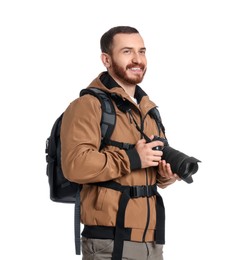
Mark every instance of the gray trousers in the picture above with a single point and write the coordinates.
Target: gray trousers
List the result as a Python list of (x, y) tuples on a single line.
[(101, 249)]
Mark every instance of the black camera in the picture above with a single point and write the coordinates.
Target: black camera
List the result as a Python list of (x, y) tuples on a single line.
[(181, 164)]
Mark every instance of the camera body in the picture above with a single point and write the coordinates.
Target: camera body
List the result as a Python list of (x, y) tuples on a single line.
[(163, 140), (181, 164)]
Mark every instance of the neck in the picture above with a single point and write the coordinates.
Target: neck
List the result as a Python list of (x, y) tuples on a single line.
[(129, 88)]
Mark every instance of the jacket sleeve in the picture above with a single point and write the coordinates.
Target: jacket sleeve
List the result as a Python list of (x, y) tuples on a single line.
[(82, 162), (135, 162)]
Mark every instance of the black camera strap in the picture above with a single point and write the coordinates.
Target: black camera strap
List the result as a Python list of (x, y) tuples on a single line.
[(154, 113), (148, 140), (124, 106)]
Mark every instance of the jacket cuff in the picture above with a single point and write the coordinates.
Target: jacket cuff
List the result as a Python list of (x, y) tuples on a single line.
[(134, 158)]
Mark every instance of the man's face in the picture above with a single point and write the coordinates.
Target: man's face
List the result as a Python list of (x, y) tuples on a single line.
[(128, 59)]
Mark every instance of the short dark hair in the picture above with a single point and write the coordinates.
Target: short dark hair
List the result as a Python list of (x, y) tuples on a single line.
[(107, 38)]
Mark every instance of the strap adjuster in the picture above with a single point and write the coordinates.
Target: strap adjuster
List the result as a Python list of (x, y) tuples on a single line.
[(143, 191), (127, 146), (138, 191)]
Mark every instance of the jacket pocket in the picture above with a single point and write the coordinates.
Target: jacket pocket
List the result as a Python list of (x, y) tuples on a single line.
[(100, 198)]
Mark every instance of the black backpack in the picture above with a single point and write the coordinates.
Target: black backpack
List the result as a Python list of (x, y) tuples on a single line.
[(61, 189)]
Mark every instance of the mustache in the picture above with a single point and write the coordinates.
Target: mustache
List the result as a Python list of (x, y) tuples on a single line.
[(140, 65)]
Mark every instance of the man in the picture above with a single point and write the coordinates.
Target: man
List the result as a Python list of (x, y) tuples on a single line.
[(121, 209)]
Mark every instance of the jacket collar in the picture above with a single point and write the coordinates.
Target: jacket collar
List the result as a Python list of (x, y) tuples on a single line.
[(110, 83)]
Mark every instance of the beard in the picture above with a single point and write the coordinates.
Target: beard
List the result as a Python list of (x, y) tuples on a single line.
[(121, 73)]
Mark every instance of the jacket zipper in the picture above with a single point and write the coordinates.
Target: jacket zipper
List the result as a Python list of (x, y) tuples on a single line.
[(148, 205), (146, 176), (147, 199), (148, 210)]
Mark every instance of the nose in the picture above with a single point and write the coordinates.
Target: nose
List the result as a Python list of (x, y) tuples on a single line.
[(136, 58)]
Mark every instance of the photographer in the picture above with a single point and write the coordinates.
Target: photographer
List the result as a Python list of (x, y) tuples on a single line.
[(121, 208)]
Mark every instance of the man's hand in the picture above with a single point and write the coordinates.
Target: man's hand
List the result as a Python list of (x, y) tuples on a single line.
[(148, 156), (166, 172)]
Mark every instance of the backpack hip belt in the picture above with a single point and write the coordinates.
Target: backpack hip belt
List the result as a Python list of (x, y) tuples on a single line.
[(119, 233)]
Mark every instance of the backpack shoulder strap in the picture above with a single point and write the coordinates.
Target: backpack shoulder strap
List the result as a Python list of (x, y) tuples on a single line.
[(108, 119)]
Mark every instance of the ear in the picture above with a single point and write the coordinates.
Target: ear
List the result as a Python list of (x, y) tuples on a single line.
[(106, 60)]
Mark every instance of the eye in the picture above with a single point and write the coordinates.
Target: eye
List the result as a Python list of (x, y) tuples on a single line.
[(126, 51)]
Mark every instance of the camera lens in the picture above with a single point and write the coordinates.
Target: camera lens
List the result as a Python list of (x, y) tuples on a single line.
[(181, 164)]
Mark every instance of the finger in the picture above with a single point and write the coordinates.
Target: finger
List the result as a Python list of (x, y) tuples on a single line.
[(164, 165), (160, 167), (163, 168), (168, 171), (156, 159), (157, 153), (141, 141), (155, 143), (153, 162), (177, 177)]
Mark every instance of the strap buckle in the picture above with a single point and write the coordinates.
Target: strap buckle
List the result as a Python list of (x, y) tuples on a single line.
[(139, 191), (143, 191)]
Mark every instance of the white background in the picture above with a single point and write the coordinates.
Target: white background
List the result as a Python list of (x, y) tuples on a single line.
[(50, 50)]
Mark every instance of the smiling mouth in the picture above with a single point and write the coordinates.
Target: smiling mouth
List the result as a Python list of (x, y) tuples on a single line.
[(136, 69)]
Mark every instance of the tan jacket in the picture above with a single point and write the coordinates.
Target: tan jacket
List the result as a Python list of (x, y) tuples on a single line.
[(82, 162)]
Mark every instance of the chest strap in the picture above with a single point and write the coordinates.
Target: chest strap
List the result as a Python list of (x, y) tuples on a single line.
[(133, 192), (121, 145)]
